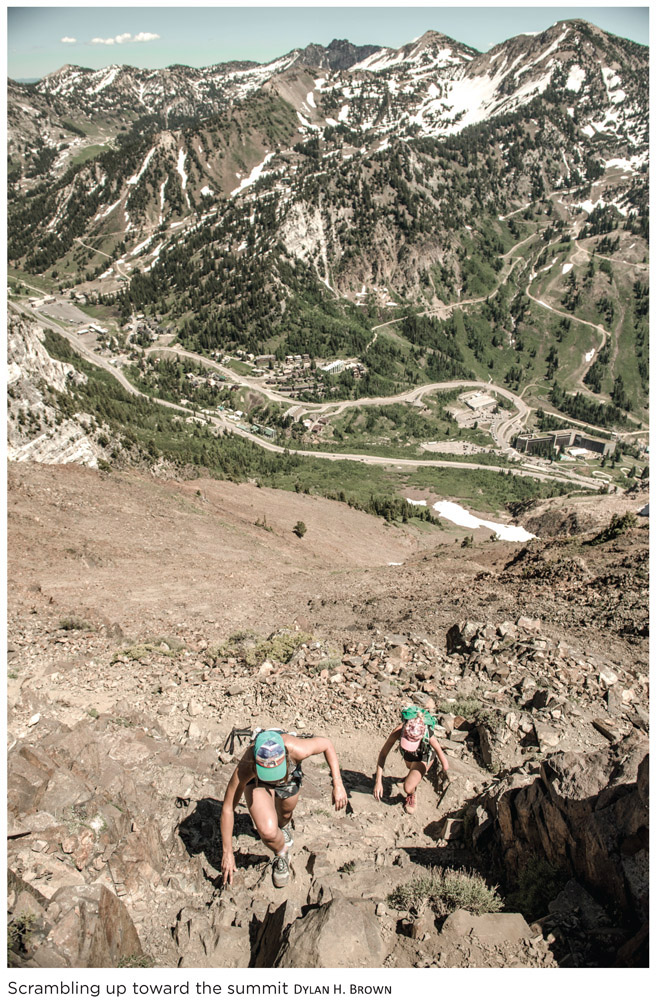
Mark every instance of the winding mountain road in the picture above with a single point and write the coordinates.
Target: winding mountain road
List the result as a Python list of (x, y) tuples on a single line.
[(391, 462), (505, 430)]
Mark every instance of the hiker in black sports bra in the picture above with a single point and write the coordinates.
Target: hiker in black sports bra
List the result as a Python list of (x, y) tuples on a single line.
[(282, 790), (419, 748), (269, 776)]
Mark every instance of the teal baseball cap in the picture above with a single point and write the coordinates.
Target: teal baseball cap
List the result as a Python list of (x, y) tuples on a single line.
[(270, 756)]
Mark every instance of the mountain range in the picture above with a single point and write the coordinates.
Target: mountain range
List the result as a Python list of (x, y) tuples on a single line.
[(285, 208)]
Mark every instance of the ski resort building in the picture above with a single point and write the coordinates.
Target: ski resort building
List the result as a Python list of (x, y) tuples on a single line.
[(547, 443)]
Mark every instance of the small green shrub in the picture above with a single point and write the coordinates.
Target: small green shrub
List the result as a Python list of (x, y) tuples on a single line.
[(467, 707), (347, 868), (492, 718), (300, 529), (538, 883), (328, 664), (135, 962), (20, 931), (279, 647), (617, 525), (446, 890), (158, 646), (73, 623)]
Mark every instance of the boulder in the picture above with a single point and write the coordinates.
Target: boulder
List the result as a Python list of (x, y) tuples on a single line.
[(460, 637), (341, 934), (489, 928), (93, 931)]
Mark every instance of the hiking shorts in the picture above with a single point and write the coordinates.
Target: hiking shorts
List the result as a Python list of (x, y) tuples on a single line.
[(283, 790), (411, 763)]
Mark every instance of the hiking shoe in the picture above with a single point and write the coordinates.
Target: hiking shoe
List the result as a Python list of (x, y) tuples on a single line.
[(410, 803), (281, 870), (289, 837)]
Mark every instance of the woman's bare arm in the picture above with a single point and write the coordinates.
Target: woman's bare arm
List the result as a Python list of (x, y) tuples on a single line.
[(244, 771), (381, 762), (300, 749), (435, 745)]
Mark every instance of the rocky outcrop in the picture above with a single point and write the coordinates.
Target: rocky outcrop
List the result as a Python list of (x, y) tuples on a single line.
[(587, 816), (35, 429), (342, 934), (92, 929)]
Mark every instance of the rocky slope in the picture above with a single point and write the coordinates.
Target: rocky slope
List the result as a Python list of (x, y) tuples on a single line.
[(36, 428), (129, 664)]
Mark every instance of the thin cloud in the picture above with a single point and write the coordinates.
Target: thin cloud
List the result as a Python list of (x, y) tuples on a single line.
[(68, 41), (142, 36)]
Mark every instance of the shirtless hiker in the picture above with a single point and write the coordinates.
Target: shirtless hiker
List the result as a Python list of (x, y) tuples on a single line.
[(269, 775), (419, 748)]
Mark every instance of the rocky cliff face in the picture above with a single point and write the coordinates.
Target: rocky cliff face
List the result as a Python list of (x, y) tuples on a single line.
[(36, 428), (588, 818)]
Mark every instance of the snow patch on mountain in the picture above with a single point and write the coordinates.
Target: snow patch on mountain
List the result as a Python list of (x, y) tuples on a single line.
[(253, 177), (180, 167), (576, 78), (135, 178), (140, 247), (107, 80)]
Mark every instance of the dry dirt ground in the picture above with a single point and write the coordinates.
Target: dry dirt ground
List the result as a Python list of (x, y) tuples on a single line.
[(156, 555)]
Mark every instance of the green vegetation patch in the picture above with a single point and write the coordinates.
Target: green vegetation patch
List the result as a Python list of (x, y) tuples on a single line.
[(252, 650), (539, 882), (73, 623), (446, 890), (20, 931), (486, 491), (88, 153), (616, 526)]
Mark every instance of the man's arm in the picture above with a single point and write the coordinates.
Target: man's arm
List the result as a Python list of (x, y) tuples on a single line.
[(381, 762), (234, 790), (435, 745), (302, 748)]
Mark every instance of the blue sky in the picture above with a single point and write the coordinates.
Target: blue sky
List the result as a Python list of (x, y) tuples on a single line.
[(41, 39)]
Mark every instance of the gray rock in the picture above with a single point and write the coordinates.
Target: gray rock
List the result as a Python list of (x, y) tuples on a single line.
[(341, 934), (529, 623)]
